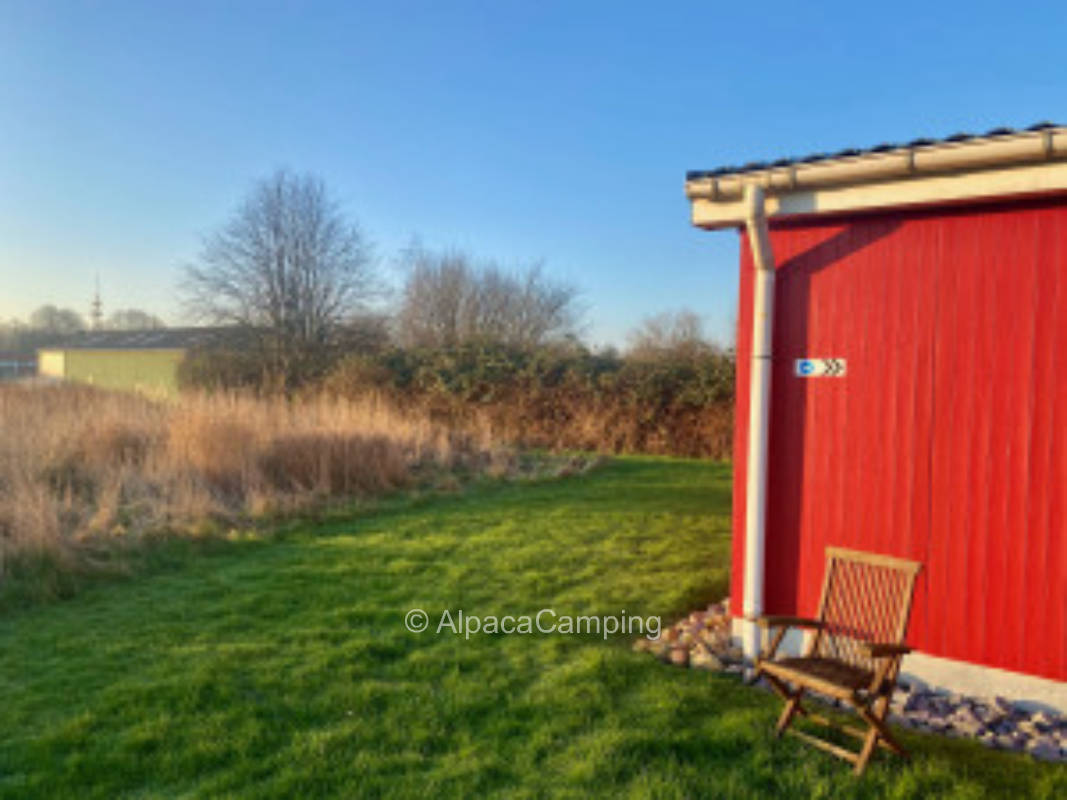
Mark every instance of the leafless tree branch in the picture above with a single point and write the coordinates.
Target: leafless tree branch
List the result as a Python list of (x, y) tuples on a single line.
[(448, 300), (286, 262)]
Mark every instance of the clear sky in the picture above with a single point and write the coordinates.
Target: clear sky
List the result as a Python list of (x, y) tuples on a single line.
[(516, 130)]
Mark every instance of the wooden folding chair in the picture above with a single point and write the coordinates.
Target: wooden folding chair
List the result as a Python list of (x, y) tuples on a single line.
[(855, 652)]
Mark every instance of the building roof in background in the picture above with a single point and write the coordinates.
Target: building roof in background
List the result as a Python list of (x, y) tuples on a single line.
[(149, 339), (16, 355)]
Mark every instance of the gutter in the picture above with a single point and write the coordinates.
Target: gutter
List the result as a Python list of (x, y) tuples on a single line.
[(1031, 162), (910, 161)]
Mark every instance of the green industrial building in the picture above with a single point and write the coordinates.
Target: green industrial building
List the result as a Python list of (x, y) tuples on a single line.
[(143, 360)]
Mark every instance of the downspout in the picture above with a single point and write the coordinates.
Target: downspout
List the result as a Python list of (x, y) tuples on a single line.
[(759, 401)]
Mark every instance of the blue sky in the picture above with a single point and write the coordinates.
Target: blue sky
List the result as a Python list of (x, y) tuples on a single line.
[(518, 131)]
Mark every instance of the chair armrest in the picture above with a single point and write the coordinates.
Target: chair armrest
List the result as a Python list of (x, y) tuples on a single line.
[(780, 624), (786, 622), (884, 649)]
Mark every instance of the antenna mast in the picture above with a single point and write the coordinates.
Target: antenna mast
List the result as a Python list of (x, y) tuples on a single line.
[(96, 310)]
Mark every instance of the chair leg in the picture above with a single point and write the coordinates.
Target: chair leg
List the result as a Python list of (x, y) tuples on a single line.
[(876, 718), (781, 689), (792, 706), (874, 715), (869, 743), (777, 686)]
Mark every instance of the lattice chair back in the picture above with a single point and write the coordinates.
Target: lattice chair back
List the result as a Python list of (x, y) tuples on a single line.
[(865, 598)]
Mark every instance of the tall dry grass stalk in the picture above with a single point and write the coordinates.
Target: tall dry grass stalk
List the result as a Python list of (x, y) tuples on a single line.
[(79, 466)]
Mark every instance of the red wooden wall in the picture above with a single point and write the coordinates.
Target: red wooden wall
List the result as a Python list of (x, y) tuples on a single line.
[(947, 440)]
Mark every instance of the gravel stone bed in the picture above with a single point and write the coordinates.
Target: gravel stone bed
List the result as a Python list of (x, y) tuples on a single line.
[(701, 640)]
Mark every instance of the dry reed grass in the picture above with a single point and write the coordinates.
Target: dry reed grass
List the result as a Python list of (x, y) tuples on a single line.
[(81, 468)]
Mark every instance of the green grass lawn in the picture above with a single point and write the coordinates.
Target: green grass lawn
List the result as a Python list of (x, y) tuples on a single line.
[(282, 668)]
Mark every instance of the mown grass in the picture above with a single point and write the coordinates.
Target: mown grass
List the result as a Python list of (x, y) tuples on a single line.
[(282, 668)]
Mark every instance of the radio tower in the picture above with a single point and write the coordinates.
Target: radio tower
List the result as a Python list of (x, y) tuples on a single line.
[(96, 310)]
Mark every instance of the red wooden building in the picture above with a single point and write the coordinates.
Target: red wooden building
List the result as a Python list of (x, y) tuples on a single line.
[(934, 275)]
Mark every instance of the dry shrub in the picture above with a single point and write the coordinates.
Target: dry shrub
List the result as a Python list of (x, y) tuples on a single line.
[(333, 464), (558, 422), (114, 443), (218, 450), (31, 522), (80, 466)]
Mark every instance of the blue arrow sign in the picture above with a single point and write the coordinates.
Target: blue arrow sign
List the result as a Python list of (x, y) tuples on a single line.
[(820, 367)]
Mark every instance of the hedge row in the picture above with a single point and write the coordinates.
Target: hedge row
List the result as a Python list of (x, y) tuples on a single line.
[(560, 396)]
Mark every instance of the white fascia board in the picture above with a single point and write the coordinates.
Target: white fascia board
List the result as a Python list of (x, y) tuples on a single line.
[(1030, 179)]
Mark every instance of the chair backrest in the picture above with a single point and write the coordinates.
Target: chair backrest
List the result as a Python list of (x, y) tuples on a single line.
[(865, 598)]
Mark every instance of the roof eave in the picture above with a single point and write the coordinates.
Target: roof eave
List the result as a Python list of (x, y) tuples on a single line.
[(1028, 163)]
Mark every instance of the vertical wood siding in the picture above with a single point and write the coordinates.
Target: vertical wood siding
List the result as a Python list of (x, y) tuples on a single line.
[(947, 440)]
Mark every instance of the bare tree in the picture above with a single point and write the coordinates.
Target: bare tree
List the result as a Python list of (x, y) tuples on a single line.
[(53, 320), (133, 319), (448, 300), (677, 334), (287, 263)]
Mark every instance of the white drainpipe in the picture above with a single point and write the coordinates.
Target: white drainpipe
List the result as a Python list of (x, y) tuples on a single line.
[(759, 401)]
